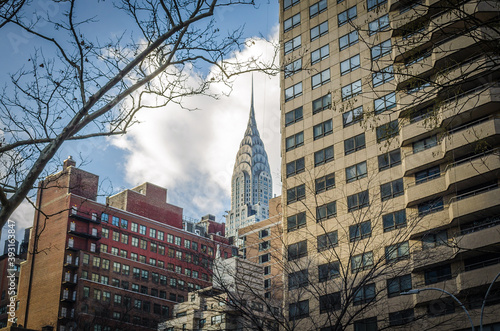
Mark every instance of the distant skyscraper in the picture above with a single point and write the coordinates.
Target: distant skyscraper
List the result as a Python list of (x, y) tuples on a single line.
[(251, 184)]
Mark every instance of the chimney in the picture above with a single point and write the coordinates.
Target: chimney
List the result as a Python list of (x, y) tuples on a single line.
[(69, 162)]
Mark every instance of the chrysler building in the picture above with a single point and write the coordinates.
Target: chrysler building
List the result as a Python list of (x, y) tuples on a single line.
[(251, 184)]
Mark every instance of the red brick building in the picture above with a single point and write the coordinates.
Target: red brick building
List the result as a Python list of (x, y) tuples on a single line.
[(115, 266)]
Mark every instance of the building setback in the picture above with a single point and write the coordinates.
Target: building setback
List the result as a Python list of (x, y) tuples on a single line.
[(390, 164), (120, 265)]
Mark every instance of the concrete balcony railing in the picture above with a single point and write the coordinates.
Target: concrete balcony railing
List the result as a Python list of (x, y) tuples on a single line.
[(426, 257), (477, 277), (481, 200), (423, 297), (404, 73), (485, 237), (430, 221)]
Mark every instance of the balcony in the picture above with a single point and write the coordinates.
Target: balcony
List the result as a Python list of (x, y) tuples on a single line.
[(434, 220), (424, 297), (426, 257), (84, 217), (84, 235), (485, 236), (476, 201), (478, 277)]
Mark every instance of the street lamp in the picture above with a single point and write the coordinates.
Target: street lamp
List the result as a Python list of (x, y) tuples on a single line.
[(417, 291), (484, 302)]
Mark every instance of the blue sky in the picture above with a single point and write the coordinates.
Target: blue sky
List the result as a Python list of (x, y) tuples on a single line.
[(190, 153)]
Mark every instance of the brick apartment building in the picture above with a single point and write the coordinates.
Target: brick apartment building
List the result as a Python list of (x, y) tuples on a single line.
[(115, 266)]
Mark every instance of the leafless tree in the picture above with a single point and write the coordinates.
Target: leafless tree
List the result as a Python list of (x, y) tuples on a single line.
[(77, 85)]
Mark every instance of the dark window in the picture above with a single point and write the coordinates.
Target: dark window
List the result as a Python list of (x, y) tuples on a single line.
[(430, 206), (389, 160), (438, 274), (392, 189), (355, 172), (401, 317), (297, 250), (325, 183), (384, 103), (293, 44), (293, 91), (298, 279), (296, 221), (322, 129), (387, 131), (293, 116), (382, 76), (296, 194), (295, 141), (397, 252), (320, 79), (327, 240), (364, 294), (328, 271), (418, 115), (351, 90), (372, 4), (348, 40), (347, 15), (360, 231), (299, 309), (291, 22), (381, 49), (432, 240), (354, 144), (394, 220), (368, 324), (289, 3), (398, 284), (323, 156), (352, 116), (295, 167), (293, 68), (362, 261), (320, 54), (379, 24), (349, 65), (358, 201), (264, 258), (317, 8), (322, 103), (319, 30), (329, 302), (440, 307), (424, 144)]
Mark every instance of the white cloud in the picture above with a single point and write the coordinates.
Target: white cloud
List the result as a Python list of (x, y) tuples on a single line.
[(22, 218), (192, 153)]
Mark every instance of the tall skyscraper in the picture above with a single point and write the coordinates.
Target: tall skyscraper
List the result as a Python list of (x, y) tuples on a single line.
[(251, 183), (390, 163)]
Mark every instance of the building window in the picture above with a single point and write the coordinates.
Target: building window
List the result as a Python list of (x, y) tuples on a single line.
[(264, 233), (358, 201), (383, 76), (325, 183), (378, 25), (349, 65), (319, 30), (323, 156), (263, 246), (267, 270), (360, 231), (401, 317), (320, 54), (329, 302), (397, 252), (427, 174), (152, 233), (124, 224), (392, 189), (293, 92), (317, 8), (395, 220), (430, 206), (293, 116), (115, 221), (267, 283), (289, 3), (295, 141), (347, 15), (298, 279), (96, 262), (441, 307), (293, 44), (104, 217), (364, 294), (291, 22), (367, 324), (296, 194), (433, 240), (424, 144), (320, 79), (362, 261), (105, 264), (384, 103), (322, 129), (144, 244), (161, 235), (353, 116), (124, 239), (356, 172), (348, 40), (372, 4), (134, 242), (298, 310), (327, 241), (170, 238), (322, 103), (381, 49), (133, 227), (297, 250), (398, 284), (388, 130), (142, 229), (116, 236), (351, 90), (264, 258), (295, 167), (354, 144), (296, 221), (326, 211), (293, 68), (389, 160), (105, 233), (328, 271)]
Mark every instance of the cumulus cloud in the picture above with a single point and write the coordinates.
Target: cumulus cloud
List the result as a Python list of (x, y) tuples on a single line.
[(192, 153), (22, 218)]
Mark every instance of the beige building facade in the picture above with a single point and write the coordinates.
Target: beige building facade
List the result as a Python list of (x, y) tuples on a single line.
[(390, 163)]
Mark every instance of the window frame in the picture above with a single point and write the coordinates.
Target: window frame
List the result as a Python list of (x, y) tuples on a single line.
[(348, 39), (325, 102), (318, 31), (358, 143), (351, 65), (326, 211), (351, 90), (292, 44), (295, 92), (324, 152), (360, 203), (348, 16), (292, 22), (326, 128), (321, 78), (320, 52)]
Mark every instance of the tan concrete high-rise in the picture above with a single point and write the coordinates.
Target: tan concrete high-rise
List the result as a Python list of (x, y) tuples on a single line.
[(390, 164)]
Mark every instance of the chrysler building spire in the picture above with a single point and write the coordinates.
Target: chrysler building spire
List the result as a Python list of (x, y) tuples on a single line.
[(251, 184)]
